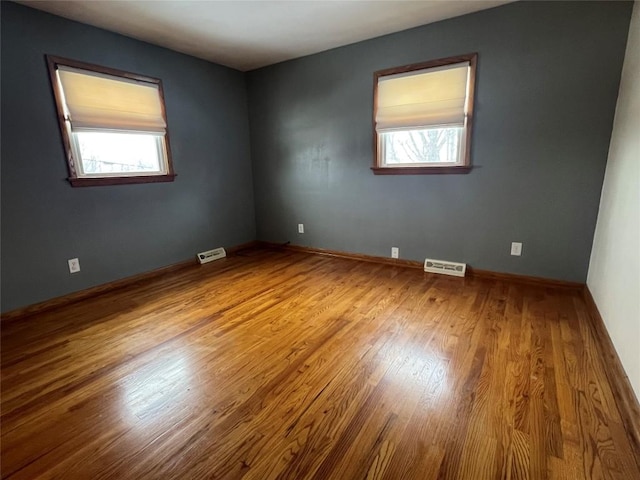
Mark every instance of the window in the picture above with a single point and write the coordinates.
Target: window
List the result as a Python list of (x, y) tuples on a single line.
[(423, 117), (113, 123)]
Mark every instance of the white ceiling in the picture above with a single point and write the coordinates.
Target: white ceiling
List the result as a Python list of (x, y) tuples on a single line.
[(251, 34)]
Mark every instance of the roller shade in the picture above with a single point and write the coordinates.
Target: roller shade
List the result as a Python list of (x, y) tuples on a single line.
[(436, 96), (99, 101)]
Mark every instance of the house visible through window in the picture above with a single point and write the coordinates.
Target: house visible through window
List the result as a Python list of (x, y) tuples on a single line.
[(423, 117), (113, 124)]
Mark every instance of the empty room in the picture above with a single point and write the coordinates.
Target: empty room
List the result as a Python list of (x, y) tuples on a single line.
[(320, 240)]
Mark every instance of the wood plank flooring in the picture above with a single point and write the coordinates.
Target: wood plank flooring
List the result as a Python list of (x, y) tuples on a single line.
[(294, 366)]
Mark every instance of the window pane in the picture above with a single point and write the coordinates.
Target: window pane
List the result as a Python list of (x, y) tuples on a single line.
[(430, 145), (109, 153)]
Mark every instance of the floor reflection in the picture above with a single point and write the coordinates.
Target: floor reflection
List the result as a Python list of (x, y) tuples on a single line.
[(157, 387)]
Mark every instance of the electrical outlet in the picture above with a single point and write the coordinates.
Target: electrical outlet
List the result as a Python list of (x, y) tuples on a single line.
[(74, 265), (301, 228), (516, 248), (395, 252)]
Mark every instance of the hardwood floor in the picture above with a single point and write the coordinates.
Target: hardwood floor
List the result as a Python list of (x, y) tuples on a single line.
[(287, 365)]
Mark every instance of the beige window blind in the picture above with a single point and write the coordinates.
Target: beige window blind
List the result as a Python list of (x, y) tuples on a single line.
[(423, 98), (99, 101)]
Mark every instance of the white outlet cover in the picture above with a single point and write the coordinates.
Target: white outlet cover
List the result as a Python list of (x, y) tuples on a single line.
[(516, 248), (74, 265), (395, 252), (301, 228)]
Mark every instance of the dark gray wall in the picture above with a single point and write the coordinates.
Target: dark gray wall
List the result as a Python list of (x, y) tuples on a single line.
[(120, 230), (548, 76)]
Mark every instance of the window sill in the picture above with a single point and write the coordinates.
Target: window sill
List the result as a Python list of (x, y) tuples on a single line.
[(421, 170), (94, 182)]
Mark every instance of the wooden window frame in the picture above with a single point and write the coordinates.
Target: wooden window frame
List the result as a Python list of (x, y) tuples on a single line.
[(52, 63), (465, 166)]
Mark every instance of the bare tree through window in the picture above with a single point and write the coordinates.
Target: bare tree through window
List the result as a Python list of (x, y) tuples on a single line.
[(118, 152), (432, 145)]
